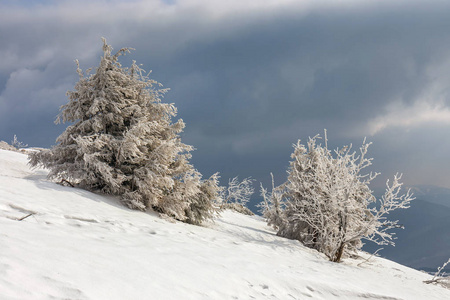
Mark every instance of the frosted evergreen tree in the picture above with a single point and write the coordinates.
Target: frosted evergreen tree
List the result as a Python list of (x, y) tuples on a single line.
[(122, 141), (327, 204)]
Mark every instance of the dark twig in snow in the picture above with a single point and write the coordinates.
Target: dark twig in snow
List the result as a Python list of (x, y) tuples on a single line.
[(66, 181), (23, 218)]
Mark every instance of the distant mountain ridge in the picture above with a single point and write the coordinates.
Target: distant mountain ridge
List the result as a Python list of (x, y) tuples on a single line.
[(433, 194), (425, 242)]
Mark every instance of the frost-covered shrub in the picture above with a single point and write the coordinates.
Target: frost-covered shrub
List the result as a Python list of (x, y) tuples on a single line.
[(440, 277), (122, 141), (237, 207), (327, 204), (5, 146), (237, 194), (17, 144)]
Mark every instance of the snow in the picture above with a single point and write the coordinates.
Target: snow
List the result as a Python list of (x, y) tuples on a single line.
[(80, 245)]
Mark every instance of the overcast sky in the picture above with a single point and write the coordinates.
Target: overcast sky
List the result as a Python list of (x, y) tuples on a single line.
[(250, 77)]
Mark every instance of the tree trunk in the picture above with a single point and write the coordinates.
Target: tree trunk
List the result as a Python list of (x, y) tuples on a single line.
[(339, 252)]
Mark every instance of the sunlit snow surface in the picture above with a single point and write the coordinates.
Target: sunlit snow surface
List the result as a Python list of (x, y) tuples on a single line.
[(79, 245)]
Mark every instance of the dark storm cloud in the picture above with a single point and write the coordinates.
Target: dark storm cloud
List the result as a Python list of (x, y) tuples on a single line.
[(248, 78)]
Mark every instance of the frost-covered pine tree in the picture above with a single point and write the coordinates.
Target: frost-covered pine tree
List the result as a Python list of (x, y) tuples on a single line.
[(122, 141), (327, 204)]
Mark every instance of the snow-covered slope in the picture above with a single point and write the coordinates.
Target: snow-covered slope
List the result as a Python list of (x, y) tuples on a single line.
[(79, 245)]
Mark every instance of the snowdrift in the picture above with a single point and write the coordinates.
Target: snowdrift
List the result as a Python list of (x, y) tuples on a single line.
[(80, 245)]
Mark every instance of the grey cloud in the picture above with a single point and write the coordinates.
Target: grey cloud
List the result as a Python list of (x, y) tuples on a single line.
[(248, 83)]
